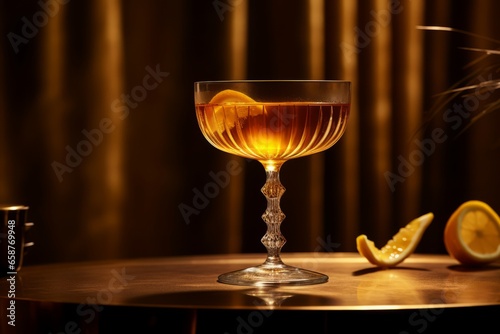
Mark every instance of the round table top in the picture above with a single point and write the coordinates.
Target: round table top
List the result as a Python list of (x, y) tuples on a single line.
[(421, 281)]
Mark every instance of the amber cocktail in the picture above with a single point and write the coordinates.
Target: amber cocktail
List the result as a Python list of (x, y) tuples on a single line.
[(272, 122)]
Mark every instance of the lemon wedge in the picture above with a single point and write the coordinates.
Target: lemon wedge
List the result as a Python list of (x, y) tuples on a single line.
[(229, 106), (472, 234), (402, 244)]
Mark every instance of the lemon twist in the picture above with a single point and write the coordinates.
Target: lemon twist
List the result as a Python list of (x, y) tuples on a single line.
[(402, 244)]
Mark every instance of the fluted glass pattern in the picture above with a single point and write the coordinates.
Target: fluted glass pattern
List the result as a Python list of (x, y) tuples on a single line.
[(273, 131)]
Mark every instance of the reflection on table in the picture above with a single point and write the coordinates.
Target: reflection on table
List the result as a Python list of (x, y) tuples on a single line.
[(180, 294)]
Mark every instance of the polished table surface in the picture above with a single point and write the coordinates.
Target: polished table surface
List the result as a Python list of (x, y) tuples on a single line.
[(418, 292)]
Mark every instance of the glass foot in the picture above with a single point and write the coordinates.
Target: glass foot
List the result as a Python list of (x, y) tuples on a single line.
[(272, 275)]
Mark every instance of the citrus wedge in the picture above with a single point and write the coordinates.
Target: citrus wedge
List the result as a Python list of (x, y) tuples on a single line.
[(472, 234), (229, 95), (229, 106), (402, 244)]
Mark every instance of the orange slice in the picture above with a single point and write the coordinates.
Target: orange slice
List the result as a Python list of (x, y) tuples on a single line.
[(229, 106), (229, 95), (472, 234), (402, 244)]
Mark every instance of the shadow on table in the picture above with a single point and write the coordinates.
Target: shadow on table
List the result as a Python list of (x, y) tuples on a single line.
[(370, 270), (462, 268)]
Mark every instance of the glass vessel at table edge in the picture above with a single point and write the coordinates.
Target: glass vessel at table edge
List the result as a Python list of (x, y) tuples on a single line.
[(276, 122)]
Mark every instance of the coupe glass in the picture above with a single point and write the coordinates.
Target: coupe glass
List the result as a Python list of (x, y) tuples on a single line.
[(272, 121)]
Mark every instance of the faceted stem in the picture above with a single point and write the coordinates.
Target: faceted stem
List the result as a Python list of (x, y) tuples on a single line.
[(273, 240)]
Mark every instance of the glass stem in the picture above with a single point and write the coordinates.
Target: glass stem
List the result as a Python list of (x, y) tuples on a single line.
[(273, 240)]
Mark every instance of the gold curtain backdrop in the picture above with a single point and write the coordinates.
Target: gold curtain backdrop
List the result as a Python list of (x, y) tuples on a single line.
[(98, 133)]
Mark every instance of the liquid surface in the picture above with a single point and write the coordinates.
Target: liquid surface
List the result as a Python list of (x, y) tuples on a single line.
[(272, 131)]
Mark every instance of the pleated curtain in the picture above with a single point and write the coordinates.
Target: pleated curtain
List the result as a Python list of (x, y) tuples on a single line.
[(99, 136)]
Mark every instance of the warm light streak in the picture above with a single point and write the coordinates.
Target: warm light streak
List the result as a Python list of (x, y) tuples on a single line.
[(350, 140), (239, 22), (316, 39)]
